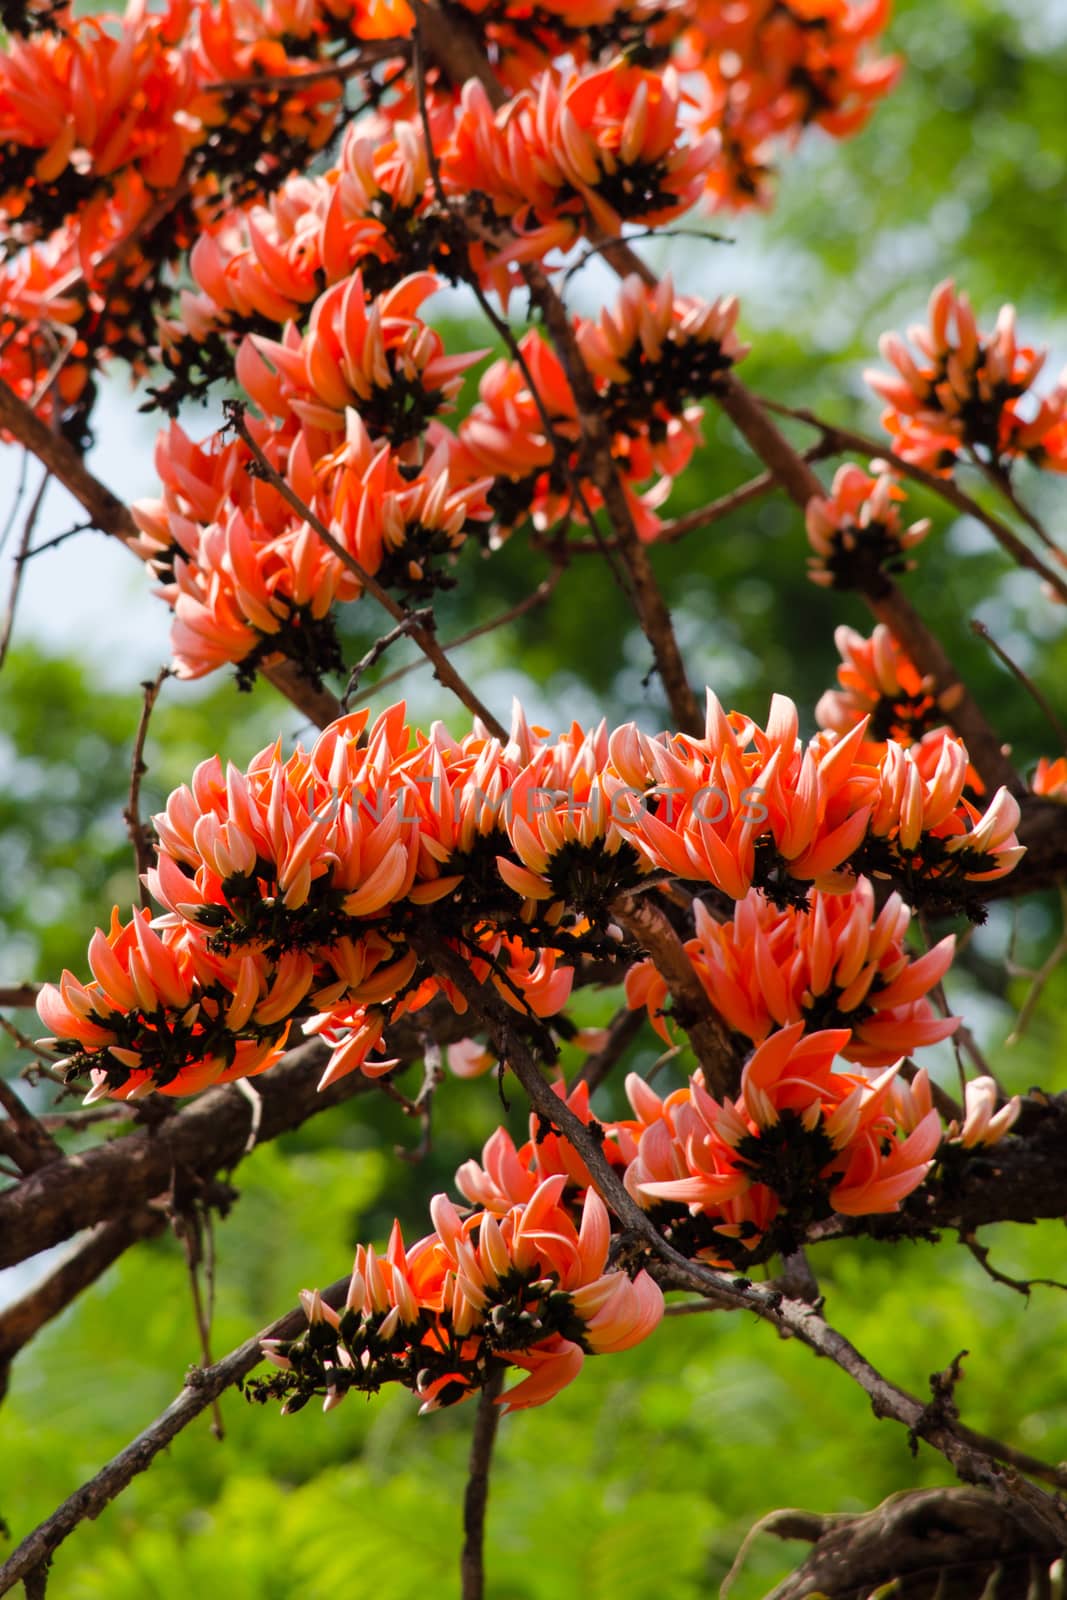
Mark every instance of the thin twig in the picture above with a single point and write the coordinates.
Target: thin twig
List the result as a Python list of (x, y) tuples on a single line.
[(476, 1497), (370, 54), (1039, 699), (623, 1029), (945, 488), (7, 628), (1001, 481), (378, 649), (536, 597), (755, 489), (143, 850), (202, 1388)]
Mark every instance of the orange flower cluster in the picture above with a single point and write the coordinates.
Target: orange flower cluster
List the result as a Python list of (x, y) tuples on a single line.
[(648, 355), (528, 1287), (746, 807), (770, 69), (879, 681), (801, 1140), (125, 138), (592, 149), (834, 962), (856, 531), (969, 392), (317, 870), (167, 1012), (522, 1279), (350, 421)]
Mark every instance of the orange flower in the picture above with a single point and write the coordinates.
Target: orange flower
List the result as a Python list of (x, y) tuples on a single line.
[(379, 358), (602, 147), (772, 69), (163, 1012), (857, 532), (831, 963), (964, 390), (1051, 778), (520, 1289)]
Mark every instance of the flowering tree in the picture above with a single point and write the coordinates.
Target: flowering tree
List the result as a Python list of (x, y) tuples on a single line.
[(260, 203)]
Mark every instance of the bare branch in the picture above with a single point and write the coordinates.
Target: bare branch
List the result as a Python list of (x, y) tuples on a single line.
[(705, 516), (476, 1497), (646, 923), (7, 628), (623, 1029), (143, 852), (30, 1145), (1039, 699), (20, 996), (848, 439), (202, 1388), (536, 597)]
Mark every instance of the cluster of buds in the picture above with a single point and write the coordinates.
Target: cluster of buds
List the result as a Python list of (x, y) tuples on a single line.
[(969, 392), (320, 869), (527, 1287), (856, 532)]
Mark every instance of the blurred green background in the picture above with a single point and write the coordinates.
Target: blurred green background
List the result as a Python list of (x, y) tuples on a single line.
[(642, 1478)]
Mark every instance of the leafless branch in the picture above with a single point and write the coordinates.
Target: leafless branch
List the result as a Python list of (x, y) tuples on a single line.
[(647, 923), (705, 516), (143, 852), (19, 996), (536, 597), (1039, 699), (623, 1029), (7, 628), (416, 619), (202, 1387), (476, 1496), (945, 488)]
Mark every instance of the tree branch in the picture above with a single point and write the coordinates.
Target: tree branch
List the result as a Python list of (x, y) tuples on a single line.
[(202, 1388), (476, 1497), (85, 1263)]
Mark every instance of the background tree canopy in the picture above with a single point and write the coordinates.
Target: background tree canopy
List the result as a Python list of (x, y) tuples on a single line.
[(663, 1457)]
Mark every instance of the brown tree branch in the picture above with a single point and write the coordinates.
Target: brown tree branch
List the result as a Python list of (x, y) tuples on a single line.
[(202, 1388), (476, 1496), (143, 852), (841, 439), (950, 1540), (650, 927), (84, 1264)]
